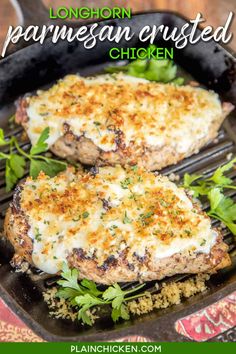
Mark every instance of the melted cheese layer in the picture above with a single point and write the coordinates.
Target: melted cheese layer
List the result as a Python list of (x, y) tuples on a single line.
[(147, 113), (104, 214)]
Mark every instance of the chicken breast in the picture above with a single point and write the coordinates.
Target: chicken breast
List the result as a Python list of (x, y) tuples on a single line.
[(113, 225), (110, 119)]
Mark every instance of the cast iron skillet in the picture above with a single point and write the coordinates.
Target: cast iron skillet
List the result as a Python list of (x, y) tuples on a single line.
[(38, 65)]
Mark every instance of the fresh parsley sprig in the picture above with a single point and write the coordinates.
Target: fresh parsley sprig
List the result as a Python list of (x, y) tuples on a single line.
[(85, 295), (150, 69), (222, 208), (16, 159)]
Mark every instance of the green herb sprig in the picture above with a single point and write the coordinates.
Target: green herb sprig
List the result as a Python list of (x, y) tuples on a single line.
[(222, 208), (85, 295), (16, 159), (150, 69)]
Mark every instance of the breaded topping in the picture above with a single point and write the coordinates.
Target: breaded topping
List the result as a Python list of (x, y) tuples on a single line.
[(120, 110)]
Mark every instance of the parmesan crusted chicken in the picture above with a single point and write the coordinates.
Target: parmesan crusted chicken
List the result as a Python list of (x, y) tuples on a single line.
[(112, 119), (113, 225)]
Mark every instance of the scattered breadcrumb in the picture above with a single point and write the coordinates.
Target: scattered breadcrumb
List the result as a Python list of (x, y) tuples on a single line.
[(222, 225), (173, 177), (229, 156), (170, 294), (24, 136), (48, 154), (194, 83), (61, 308), (23, 267)]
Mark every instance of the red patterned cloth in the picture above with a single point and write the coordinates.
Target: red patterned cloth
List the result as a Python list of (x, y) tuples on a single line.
[(209, 322), (200, 326), (12, 329)]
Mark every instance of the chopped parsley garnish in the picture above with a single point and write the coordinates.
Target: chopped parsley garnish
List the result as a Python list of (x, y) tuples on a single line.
[(163, 203), (112, 229), (134, 168), (38, 235), (140, 179), (126, 219), (76, 218), (85, 215), (97, 124), (203, 242), (144, 218), (134, 196), (127, 181), (147, 215)]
